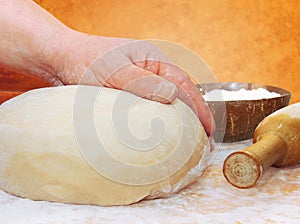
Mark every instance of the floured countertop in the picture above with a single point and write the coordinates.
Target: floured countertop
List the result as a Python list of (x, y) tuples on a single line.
[(276, 199)]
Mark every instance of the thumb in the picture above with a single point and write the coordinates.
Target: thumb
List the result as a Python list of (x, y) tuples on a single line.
[(143, 83)]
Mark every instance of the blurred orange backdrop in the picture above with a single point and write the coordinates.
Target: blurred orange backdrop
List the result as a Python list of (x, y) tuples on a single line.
[(249, 41)]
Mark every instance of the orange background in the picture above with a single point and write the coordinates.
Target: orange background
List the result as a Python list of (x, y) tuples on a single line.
[(249, 41)]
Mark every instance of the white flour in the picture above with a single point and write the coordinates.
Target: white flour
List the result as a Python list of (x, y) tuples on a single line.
[(242, 94)]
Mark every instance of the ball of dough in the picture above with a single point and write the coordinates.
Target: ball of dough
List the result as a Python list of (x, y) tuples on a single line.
[(100, 146)]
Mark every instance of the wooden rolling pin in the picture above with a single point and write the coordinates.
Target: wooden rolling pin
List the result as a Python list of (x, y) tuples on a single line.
[(276, 143)]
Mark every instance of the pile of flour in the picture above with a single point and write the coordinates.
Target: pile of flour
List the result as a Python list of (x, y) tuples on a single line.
[(242, 94)]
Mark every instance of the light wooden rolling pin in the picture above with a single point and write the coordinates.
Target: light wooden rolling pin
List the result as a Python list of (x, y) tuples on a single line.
[(276, 143)]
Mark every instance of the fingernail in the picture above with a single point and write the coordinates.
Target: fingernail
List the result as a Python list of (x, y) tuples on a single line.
[(165, 91)]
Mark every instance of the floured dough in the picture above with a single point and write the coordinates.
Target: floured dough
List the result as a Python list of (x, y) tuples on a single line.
[(92, 145)]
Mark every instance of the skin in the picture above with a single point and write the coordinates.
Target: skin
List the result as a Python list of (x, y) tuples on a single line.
[(35, 42)]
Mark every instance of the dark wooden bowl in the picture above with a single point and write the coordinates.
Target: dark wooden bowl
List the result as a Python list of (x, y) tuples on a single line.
[(237, 120)]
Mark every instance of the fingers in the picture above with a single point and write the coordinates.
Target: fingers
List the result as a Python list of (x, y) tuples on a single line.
[(116, 70), (143, 83), (162, 82), (188, 93)]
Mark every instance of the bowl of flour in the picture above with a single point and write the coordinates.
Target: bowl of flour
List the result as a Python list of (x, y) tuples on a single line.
[(239, 107)]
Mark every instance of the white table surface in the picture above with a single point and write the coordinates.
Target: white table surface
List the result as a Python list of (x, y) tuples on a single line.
[(276, 199)]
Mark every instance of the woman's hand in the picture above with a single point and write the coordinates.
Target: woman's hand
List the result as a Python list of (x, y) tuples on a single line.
[(35, 42)]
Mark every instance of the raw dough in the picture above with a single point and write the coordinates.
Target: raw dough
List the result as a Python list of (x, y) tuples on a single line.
[(92, 145)]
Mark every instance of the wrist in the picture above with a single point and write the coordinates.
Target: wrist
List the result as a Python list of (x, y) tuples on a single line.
[(53, 56), (71, 55), (78, 53)]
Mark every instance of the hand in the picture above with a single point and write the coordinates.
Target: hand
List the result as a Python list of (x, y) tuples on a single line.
[(36, 43), (134, 66)]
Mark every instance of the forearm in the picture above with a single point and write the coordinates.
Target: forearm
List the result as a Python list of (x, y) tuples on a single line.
[(30, 38)]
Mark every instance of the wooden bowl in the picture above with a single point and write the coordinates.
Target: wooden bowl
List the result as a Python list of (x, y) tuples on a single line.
[(237, 120)]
